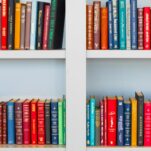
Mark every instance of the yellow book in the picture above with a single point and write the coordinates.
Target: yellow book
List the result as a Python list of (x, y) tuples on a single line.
[(17, 25), (134, 122)]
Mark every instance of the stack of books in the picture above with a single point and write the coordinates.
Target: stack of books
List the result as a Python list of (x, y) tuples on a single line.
[(31, 24), (114, 121), (120, 25), (33, 121)]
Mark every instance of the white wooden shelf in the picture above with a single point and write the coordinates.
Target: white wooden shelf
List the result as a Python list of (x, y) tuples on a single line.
[(119, 54), (33, 54)]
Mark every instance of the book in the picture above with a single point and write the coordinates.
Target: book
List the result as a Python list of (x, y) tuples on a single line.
[(127, 123), (17, 26), (1, 122), (4, 123), (147, 26), (96, 7), (112, 118), (140, 126), (54, 122), (102, 122), (34, 121), (104, 28), (105, 139), (11, 121), (0, 26), (41, 121), (11, 21), (122, 24), (23, 25), (133, 4), (140, 28), (28, 25), (46, 26), (134, 122), (64, 114), (26, 122), (89, 27), (120, 122), (47, 121), (147, 123), (18, 122), (88, 123), (97, 126), (4, 24), (92, 121)]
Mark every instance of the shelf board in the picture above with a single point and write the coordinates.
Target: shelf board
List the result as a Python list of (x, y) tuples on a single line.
[(33, 54), (118, 54)]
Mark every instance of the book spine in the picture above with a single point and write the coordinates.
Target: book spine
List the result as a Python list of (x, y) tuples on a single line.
[(128, 25), (140, 29), (112, 107), (54, 123), (47, 123), (110, 24), (0, 26), (26, 123), (96, 5), (11, 16), (97, 127), (133, 24), (104, 28), (4, 23), (40, 25), (33, 123), (23, 20), (88, 124), (147, 28), (147, 124), (115, 24), (134, 124), (1, 122), (46, 27), (92, 122), (90, 27), (11, 123), (120, 124), (33, 26), (4, 124), (64, 123), (105, 122), (122, 24), (18, 123), (17, 26), (28, 25), (101, 122), (41, 122)]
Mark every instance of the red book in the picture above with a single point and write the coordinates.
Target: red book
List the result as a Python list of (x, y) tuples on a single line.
[(1, 126), (102, 122), (46, 27), (105, 121), (0, 26), (4, 131), (41, 121), (4, 23), (112, 120), (147, 123), (26, 122), (33, 122), (147, 30)]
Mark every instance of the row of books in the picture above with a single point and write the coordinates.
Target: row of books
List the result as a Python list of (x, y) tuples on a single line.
[(33, 121), (119, 25), (31, 25), (114, 121)]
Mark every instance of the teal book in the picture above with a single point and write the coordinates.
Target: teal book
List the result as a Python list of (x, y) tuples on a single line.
[(122, 24), (92, 122)]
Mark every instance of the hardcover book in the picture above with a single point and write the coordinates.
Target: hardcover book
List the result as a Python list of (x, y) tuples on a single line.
[(4, 123), (1, 122), (105, 121), (64, 114), (97, 125), (102, 122), (0, 26), (88, 123)]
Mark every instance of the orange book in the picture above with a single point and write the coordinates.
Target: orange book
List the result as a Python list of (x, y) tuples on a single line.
[(104, 28), (17, 25)]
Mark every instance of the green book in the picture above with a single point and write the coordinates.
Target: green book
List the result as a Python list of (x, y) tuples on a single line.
[(64, 123)]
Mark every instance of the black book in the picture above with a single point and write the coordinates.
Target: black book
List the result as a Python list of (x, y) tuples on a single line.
[(47, 121), (11, 20), (140, 118)]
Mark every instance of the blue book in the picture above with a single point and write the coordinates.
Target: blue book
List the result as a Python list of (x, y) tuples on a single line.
[(54, 122), (110, 24), (88, 123), (127, 123), (115, 25), (120, 124), (92, 122), (122, 24), (11, 121), (133, 5)]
